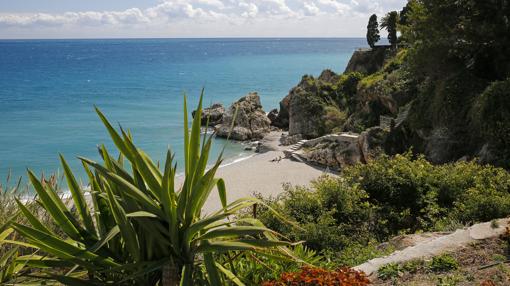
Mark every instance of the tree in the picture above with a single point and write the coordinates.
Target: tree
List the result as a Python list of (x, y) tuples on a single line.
[(373, 31), (389, 22), (472, 34)]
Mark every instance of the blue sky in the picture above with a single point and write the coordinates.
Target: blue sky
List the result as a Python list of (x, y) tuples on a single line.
[(188, 18)]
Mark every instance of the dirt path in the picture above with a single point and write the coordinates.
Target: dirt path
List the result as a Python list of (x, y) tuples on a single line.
[(438, 245)]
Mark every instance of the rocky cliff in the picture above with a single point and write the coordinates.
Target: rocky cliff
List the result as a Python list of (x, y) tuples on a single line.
[(456, 116), (369, 61), (247, 117)]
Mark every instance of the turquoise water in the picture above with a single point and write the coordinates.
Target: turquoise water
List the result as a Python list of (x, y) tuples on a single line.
[(48, 89)]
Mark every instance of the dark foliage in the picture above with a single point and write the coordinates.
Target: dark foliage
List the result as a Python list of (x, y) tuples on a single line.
[(373, 31)]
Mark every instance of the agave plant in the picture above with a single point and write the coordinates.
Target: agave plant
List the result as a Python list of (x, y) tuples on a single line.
[(136, 227), (8, 266)]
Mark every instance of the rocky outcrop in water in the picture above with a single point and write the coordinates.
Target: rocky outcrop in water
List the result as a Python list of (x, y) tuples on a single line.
[(250, 121), (214, 114)]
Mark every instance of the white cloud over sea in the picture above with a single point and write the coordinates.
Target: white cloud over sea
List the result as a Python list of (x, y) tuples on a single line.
[(204, 18)]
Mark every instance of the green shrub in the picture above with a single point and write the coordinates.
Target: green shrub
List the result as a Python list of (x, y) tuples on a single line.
[(388, 196), (493, 115), (253, 269), (334, 119), (356, 253), (443, 263), (413, 266), (416, 195), (390, 271)]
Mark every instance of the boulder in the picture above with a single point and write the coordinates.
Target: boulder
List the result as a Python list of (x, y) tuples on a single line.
[(273, 115), (214, 113), (372, 143), (287, 140), (333, 151), (250, 122), (282, 117)]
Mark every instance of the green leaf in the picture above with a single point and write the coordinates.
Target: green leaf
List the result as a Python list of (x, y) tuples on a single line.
[(31, 218), (234, 231), (115, 136), (222, 192), (55, 208), (61, 248), (42, 262), (238, 245), (230, 275), (126, 228), (212, 271), (5, 234), (79, 200)]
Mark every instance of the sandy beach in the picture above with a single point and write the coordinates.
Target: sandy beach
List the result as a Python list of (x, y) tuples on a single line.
[(258, 174)]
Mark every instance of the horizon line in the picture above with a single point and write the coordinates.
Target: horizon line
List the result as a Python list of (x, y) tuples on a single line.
[(174, 38)]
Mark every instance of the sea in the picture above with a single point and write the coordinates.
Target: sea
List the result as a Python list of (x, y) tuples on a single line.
[(48, 89)]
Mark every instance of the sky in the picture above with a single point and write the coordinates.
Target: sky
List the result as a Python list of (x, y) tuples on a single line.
[(40, 19)]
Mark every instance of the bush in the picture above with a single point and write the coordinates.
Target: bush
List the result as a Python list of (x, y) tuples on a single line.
[(443, 263), (415, 195), (334, 119), (390, 271), (344, 216), (315, 276), (493, 108), (253, 269), (331, 215)]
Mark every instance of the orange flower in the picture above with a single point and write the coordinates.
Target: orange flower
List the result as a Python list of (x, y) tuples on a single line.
[(310, 276)]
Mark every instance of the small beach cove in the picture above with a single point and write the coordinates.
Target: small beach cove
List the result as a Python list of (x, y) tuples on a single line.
[(260, 174)]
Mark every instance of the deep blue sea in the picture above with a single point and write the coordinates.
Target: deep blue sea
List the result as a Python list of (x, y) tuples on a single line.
[(48, 89)]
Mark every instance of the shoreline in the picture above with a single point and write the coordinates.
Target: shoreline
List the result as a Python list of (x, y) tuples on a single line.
[(249, 175), (256, 174)]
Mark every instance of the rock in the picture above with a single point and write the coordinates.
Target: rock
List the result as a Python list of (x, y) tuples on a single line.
[(287, 140), (346, 149), (369, 61), (249, 148), (372, 143), (214, 113), (250, 122), (328, 76), (282, 117), (262, 148), (335, 151), (273, 116), (306, 109), (283, 114)]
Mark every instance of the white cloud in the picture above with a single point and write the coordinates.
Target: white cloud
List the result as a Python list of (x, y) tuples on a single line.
[(217, 13), (126, 17)]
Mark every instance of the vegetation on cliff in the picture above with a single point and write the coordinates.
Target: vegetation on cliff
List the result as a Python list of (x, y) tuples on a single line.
[(446, 86)]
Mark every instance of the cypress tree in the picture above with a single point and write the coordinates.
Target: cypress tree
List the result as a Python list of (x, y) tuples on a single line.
[(389, 22), (373, 31)]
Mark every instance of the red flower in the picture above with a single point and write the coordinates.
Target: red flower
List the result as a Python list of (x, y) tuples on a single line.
[(310, 276)]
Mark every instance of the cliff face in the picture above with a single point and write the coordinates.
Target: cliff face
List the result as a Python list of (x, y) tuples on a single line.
[(317, 106), (447, 118), (368, 61)]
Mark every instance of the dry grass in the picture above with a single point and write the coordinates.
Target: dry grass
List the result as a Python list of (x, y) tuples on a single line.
[(473, 261)]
